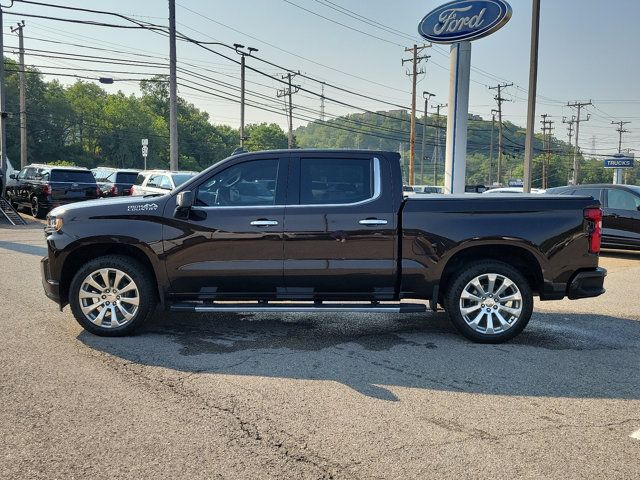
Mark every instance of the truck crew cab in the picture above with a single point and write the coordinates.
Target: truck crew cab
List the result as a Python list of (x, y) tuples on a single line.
[(319, 228)]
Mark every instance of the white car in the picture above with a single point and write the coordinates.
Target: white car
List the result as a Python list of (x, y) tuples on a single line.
[(494, 191), (159, 181)]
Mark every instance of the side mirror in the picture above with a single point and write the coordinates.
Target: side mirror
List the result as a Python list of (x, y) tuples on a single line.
[(13, 176), (184, 202)]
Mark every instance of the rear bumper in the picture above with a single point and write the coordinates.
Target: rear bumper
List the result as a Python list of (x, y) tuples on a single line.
[(587, 284), (51, 287)]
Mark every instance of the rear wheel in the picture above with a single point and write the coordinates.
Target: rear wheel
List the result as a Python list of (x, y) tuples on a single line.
[(36, 209), (489, 302), (111, 296)]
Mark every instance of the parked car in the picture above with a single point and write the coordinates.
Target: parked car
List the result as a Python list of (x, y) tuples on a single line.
[(43, 187), (621, 211), (428, 189), (159, 181), (494, 191), (115, 182), (324, 227)]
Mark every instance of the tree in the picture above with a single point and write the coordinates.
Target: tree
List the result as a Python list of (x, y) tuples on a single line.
[(265, 136)]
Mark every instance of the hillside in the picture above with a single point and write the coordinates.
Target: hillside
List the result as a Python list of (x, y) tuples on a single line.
[(389, 130)]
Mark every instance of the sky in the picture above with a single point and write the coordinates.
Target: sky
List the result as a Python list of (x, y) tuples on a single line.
[(588, 51)]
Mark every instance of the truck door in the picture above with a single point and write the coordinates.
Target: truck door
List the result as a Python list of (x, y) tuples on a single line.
[(340, 228), (231, 244), (621, 221)]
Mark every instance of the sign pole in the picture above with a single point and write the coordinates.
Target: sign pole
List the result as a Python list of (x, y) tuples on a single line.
[(456, 150)]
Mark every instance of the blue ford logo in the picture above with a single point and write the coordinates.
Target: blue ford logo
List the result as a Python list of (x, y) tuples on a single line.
[(464, 20)]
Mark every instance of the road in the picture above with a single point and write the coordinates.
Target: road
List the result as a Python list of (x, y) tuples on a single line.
[(309, 396)]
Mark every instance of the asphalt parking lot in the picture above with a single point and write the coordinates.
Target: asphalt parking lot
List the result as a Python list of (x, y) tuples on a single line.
[(309, 396)]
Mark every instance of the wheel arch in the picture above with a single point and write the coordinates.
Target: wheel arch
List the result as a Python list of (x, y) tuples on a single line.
[(519, 257), (85, 253)]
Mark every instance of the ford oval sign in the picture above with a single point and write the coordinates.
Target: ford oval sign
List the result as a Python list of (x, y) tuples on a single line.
[(464, 20)]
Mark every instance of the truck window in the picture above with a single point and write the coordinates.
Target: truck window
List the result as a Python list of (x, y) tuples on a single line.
[(245, 184), (335, 180), (621, 200)]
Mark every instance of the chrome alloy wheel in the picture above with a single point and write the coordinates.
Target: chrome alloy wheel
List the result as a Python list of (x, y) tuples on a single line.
[(491, 303), (109, 298)]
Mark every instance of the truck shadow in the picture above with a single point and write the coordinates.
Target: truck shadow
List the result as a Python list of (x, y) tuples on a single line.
[(621, 254), (558, 355)]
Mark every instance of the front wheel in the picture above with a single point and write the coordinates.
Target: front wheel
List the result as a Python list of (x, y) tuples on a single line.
[(111, 296), (489, 302)]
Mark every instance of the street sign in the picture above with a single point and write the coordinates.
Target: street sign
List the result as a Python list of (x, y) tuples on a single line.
[(145, 150), (145, 142), (464, 20), (619, 160)]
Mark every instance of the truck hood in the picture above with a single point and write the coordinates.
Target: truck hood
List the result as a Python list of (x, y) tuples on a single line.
[(108, 207)]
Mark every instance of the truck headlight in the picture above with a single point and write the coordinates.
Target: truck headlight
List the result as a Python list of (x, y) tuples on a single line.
[(54, 224)]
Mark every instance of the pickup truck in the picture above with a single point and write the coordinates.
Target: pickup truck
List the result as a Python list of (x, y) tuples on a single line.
[(318, 231)]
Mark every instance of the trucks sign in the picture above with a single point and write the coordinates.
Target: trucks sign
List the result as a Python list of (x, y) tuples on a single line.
[(619, 161), (463, 20)]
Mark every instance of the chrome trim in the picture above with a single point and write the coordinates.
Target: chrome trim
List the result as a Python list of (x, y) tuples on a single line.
[(264, 223), (337, 307), (377, 191), (372, 221)]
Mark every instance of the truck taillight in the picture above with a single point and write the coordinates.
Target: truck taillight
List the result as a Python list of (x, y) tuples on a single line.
[(594, 216), (98, 192), (114, 190), (131, 190), (46, 189)]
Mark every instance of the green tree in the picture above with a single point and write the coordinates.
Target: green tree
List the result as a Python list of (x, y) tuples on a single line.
[(265, 136)]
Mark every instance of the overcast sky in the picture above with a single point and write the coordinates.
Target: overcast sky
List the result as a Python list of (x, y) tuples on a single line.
[(588, 51)]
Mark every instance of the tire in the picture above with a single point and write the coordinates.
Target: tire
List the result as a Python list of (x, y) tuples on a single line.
[(36, 210), (94, 301), (476, 314)]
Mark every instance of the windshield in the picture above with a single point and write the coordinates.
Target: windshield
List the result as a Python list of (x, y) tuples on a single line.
[(75, 176), (180, 178)]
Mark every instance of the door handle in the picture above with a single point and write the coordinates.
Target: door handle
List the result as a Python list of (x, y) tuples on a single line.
[(264, 223), (372, 221)]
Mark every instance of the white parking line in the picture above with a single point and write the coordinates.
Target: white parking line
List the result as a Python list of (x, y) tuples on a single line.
[(636, 434)]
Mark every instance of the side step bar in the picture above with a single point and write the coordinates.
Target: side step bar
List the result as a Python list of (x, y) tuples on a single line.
[(299, 307)]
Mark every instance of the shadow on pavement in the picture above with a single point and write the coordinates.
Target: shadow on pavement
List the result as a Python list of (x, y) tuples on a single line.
[(558, 355), (24, 248)]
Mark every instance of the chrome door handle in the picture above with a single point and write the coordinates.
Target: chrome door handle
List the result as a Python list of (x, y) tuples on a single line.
[(264, 223), (372, 221)]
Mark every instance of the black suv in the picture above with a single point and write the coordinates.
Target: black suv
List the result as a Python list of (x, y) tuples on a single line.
[(115, 182), (43, 187), (621, 211)]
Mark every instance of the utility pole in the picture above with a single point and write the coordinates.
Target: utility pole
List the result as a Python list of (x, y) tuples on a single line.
[(3, 115), (423, 156), (570, 133), (546, 138), (23, 96), (173, 90), (415, 60), (500, 99), (288, 92), (242, 54), (617, 173), (493, 121), (531, 102), (575, 170), (436, 149), (322, 103)]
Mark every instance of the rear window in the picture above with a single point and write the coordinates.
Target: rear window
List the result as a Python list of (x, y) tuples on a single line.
[(140, 179), (180, 178), (127, 177), (74, 176), (335, 180)]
